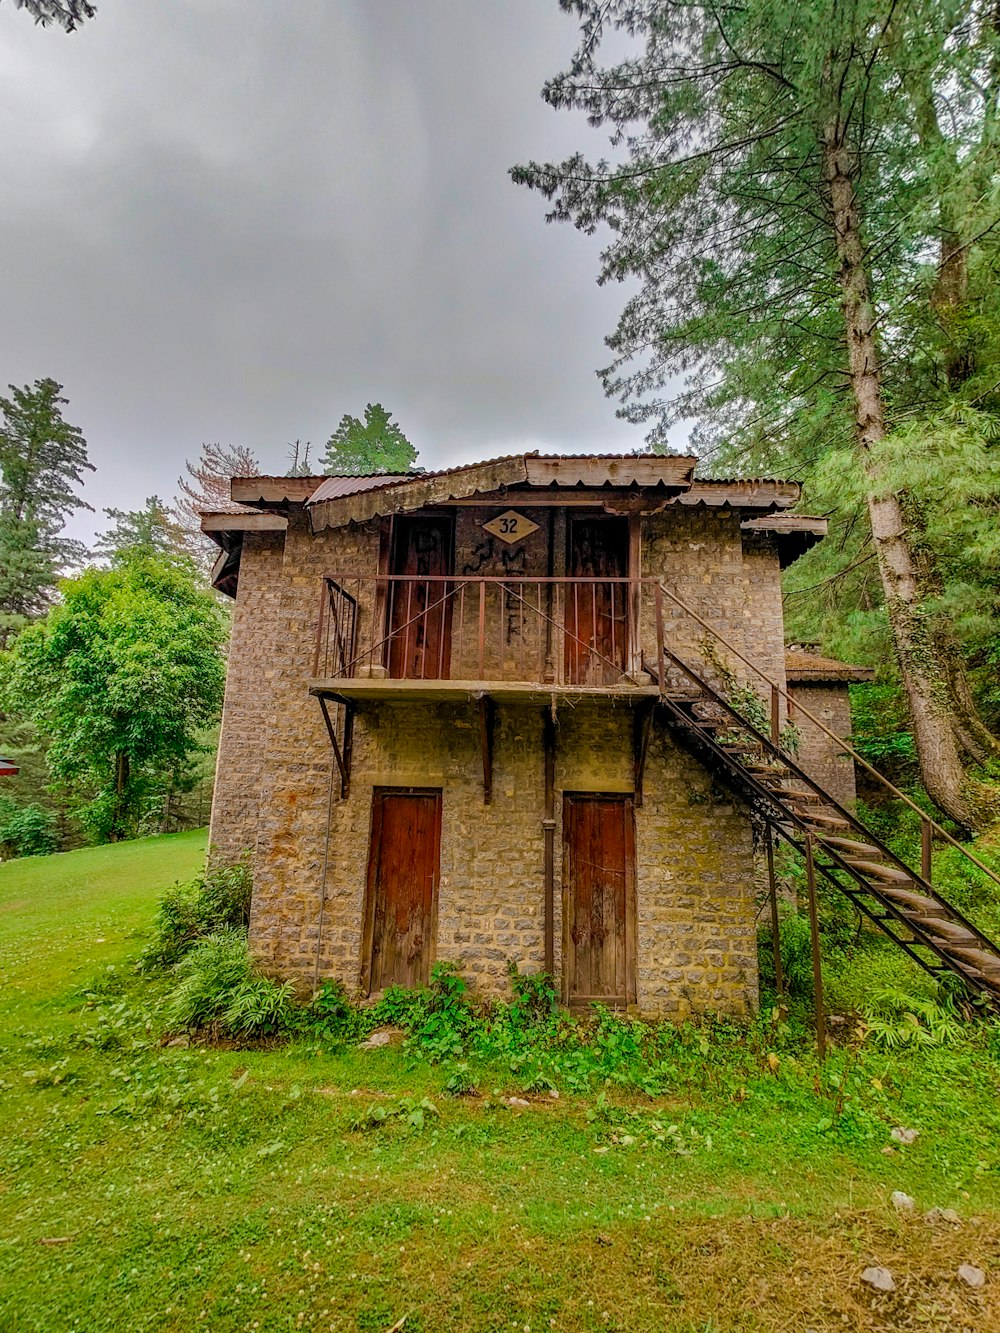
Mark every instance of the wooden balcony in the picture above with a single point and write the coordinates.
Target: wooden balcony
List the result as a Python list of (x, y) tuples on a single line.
[(415, 636)]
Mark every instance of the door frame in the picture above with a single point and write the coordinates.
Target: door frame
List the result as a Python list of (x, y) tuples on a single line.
[(371, 877), (631, 909), (397, 524), (629, 592)]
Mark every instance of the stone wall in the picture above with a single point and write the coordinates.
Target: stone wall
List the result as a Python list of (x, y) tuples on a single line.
[(276, 788), (820, 756)]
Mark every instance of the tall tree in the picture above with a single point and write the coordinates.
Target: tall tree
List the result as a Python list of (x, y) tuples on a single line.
[(123, 675), (359, 448), (151, 530), (64, 13), (42, 461), (206, 488), (776, 188)]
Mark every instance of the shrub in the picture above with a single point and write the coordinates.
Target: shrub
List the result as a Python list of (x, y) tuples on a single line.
[(218, 900), (217, 987), (894, 1018), (27, 830), (331, 1015)]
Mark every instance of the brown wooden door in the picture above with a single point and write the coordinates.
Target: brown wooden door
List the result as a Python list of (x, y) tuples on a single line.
[(403, 866), (419, 611), (596, 621), (598, 900)]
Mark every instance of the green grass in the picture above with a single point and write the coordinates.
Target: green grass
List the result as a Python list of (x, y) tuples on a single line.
[(148, 1187)]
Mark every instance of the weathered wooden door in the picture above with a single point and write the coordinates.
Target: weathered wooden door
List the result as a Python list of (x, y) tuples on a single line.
[(598, 900), (420, 605), (596, 613), (403, 865)]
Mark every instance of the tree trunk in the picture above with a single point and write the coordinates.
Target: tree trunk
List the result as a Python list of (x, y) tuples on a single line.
[(924, 681), (121, 783)]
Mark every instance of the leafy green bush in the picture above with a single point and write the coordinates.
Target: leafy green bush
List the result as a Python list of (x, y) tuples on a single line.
[(217, 900), (331, 1015), (895, 1018), (796, 954), (217, 987), (27, 830)]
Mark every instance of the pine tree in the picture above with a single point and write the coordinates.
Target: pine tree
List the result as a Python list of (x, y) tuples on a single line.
[(151, 531), (42, 461), (778, 183), (377, 444), (65, 14)]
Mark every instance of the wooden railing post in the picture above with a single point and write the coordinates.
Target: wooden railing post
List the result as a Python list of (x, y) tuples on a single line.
[(779, 979), (775, 716), (816, 961), (926, 835), (482, 628), (660, 669)]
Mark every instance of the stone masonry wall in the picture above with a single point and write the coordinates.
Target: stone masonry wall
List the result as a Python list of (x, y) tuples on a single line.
[(252, 647), (695, 944), (818, 754)]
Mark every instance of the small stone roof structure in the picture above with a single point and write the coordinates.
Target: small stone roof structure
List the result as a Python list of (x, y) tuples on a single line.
[(803, 667)]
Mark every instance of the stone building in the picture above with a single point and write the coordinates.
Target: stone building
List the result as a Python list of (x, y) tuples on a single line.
[(441, 739), (821, 685)]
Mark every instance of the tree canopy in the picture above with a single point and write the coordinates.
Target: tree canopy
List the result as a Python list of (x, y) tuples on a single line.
[(359, 448), (66, 14), (804, 191), (42, 462), (122, 675)]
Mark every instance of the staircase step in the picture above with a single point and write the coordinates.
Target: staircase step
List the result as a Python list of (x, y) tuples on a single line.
[(952, 933), (797, 795), (846, 845), (916, 904), (879, 870), (825, 821), (987, 964)]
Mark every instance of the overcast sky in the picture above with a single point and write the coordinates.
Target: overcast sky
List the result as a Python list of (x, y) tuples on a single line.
[(236, 220)]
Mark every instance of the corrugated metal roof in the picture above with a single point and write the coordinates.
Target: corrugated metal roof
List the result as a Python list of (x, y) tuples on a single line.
[(333, 487), (803, 667), (8, 769)]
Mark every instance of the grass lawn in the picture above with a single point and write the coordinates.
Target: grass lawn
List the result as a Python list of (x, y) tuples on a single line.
[(171, 1188)]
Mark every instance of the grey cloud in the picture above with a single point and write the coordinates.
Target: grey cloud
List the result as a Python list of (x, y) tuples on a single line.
[(238, 219)]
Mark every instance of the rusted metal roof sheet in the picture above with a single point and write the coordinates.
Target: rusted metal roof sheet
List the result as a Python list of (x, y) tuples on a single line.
[(803, 667), (742, 493), (795, 533), (265, 491), (349, 503), (8, 769), (431, 488), (332, 488)]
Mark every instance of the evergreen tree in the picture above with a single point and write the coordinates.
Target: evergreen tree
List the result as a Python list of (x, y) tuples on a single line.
[(782, 175), (150, 530), (42, 461), (361, 448), (64, 13)]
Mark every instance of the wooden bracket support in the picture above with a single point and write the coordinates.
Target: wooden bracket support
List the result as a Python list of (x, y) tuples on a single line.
[(487, 727), (642, 725)]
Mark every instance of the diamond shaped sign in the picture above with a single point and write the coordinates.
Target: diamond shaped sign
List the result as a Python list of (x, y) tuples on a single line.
[(511, 526)]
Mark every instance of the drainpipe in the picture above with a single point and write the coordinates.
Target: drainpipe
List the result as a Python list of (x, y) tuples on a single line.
[(549, 833)]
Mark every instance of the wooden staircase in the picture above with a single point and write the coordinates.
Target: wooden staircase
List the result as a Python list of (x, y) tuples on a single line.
[(845, 853)]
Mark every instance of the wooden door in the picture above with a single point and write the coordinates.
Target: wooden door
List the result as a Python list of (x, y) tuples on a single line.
[(596, 613), (419, 611), (598, 900), (403, 866)]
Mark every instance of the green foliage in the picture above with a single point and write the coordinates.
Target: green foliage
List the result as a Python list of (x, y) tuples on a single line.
[(377, 444), (123, 675), (27, 830), (219, 899), (42, 461), (894, 1018), (215, 986), (149, 531), (331, 1017), (415, 1113)]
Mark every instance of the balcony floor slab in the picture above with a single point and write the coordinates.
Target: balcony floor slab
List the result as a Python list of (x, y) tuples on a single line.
[(359, 689)]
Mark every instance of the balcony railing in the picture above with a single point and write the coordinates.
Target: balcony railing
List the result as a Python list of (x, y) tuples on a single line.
[(585, 632)]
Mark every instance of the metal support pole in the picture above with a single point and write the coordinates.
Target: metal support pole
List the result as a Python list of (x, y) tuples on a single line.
[(817, 965), (775, 716), (779, 978), (549, 836)]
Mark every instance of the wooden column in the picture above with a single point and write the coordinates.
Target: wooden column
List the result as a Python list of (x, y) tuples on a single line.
[(634, 659), (549, 835)]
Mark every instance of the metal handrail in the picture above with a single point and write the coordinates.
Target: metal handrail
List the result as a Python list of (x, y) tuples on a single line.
[(930, 822)]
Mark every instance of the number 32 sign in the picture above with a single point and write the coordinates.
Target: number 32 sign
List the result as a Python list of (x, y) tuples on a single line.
[(510, 526)]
